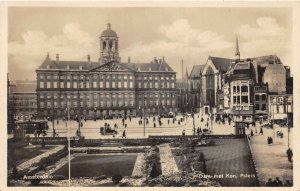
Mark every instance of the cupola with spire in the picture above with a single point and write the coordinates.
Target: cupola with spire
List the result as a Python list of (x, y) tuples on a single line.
[(109, 49)]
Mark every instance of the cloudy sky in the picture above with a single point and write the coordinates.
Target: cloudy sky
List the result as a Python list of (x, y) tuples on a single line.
[(191, 34)]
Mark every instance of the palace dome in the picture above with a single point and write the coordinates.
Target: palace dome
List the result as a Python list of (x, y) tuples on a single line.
[(108, 32)]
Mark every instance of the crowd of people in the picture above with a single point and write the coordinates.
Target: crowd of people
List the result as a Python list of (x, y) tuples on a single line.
[(277, 183)]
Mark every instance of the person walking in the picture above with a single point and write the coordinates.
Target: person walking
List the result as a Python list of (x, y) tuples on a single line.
[(183, 132), (289, 153), (124, 134), (261, 131), (251, 133)]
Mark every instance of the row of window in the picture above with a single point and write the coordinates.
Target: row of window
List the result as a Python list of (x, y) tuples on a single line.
[(105, 76), (262, 107), (238, 89), (101, 103), (240, 100), (156, 85), (262, 97), (101, 84), (107, 84), (87, 96)]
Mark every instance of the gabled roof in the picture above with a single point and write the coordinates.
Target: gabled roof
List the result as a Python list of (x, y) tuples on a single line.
[(197, 70), (242, 66), (222, 64), (73, 65)]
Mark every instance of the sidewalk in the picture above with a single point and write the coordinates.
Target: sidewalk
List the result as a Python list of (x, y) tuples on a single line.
[(271, 160), (139, 165), (168, 164)]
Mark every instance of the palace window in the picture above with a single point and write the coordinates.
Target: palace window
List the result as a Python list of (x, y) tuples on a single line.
[(119, 84), (68, 85), (107, 85), (54, 84), (74, 84), (130, 84), (41, 84), (62, 84), (48, 84), (125, 84)]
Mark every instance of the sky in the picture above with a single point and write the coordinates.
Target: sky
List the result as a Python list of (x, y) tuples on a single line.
[(175, 33)]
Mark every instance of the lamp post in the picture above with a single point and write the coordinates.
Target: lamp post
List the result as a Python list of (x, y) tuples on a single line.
[(144, 116), (78, 110), (53, 116), (287, 120), (95, 109)]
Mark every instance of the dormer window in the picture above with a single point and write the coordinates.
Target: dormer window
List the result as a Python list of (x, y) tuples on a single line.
[(68, 67), (80, 67), (149, 68), (139, 69), (48, 66), (166, 69)]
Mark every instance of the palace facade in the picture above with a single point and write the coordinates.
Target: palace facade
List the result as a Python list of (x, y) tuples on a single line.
[(107, 87)]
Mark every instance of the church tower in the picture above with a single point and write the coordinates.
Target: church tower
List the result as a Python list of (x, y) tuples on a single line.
[(109, 49), (237, 50)]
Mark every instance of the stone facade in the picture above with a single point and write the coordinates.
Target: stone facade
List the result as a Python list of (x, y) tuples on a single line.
[(107, 87)]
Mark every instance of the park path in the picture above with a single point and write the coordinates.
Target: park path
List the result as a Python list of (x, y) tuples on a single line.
[(271, 160), (168, 164), (27, 164), (139, 165)]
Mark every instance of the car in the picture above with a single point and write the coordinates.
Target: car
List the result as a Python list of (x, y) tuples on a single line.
[(171, 115), (107, 131)]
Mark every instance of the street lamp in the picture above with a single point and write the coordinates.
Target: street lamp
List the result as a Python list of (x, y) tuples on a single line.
[(53, 116), (144, 116)]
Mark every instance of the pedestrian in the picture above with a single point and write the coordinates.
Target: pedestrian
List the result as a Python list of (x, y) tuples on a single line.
[(183, 132), (277, 182), (269, 183), (289, 153), (251, 133), (261, 131), (154, 125), (168, 121), (124, 134), (125, 125), (35, 133), (198, 131), (57, 122), (114, 134)]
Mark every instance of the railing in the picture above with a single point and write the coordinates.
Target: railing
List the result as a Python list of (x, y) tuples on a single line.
[(251, 161)]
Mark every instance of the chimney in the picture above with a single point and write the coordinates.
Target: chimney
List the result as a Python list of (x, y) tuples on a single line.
[(129, 59), (163, 59), (155, 60), (159, 61), (57, 57), (89, 58)]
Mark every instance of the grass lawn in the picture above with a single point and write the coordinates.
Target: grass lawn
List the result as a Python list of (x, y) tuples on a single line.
[(20, 155), (97, 165), (228, 157)]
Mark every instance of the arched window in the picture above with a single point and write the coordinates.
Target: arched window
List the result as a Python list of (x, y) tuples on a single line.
[(110, 45), (104, 45)]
